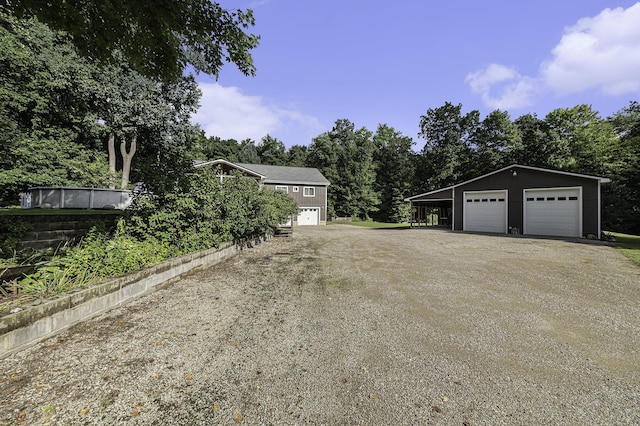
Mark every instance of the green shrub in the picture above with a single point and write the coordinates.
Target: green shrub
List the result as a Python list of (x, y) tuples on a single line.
[(11, 232), (201, 214), (205, 212)]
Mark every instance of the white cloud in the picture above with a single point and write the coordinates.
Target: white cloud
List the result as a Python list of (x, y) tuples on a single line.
[(600, 52), (514, 90), (228, 113)]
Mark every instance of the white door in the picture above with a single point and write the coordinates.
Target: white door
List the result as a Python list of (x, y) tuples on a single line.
[(485, 211), (555, 212), (309, 216)]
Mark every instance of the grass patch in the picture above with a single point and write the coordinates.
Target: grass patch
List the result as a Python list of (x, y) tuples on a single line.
[(374, 225), (629, 245)]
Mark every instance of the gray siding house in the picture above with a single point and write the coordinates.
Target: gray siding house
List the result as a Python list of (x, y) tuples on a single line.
[(517, 199), (307, 186)]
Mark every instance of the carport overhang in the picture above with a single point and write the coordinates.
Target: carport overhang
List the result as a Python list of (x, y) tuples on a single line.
[(441, 199)]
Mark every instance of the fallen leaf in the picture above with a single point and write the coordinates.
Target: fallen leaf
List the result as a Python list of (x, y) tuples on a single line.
[(189, 377), (155, 375), (238, 419), (135, 413), (372, 396), (216, 407), (436, 409), (84, 411), (445, 399)]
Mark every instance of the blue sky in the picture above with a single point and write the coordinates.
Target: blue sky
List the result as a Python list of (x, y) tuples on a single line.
[(381, 62)]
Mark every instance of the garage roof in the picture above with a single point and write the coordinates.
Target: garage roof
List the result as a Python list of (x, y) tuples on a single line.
[(540, 169)]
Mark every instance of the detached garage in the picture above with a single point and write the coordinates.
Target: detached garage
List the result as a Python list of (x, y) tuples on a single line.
[(521, 200)]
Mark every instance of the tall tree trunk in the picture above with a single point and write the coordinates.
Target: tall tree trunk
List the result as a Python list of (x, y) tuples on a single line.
[(126, 159), (111, 146)]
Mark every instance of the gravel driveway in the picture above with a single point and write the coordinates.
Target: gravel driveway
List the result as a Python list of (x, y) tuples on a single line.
[(346, 325)]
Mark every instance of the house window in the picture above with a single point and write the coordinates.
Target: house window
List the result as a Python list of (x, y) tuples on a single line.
[(282, 188), (308, 191), (295, 189)]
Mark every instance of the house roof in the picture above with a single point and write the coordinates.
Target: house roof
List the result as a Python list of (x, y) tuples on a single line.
[(288, 174), (513, 166), (228, 165), (274, 174)]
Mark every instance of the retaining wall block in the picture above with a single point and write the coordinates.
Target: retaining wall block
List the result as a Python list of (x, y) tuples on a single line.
[(43, 319)]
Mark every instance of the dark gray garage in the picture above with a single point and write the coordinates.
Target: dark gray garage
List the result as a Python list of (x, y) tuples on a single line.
[(516, 199)]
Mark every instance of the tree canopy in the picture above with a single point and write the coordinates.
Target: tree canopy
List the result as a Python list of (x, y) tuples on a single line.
[(158, 40), (60, 113)]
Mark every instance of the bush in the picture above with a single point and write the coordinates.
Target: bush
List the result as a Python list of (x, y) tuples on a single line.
[(202, 214), (206, 212), (11, 232)]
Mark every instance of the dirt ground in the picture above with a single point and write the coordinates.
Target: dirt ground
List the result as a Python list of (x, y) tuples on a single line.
[(346, 325)]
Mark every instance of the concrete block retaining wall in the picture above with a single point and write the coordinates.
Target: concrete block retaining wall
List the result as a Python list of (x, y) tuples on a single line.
[(41, 320)]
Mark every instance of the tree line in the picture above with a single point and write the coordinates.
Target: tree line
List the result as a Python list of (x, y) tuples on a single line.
[(69, 120), (371, 173)]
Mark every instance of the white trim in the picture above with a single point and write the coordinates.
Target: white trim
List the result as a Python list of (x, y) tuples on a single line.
[(506, 206), (318, 209), (556, 188), (599, 214), (326, 208), (429, 193), (230, 164), (426, 200), (296, 189), (453, 209), (283, 188), (539, 169), (304, 188)]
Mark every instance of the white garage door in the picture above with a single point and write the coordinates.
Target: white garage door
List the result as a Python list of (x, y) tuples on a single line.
[(553, 212), (485, 211), (309, 216)]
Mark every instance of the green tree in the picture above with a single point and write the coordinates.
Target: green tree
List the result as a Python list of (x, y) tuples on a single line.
[(214, 148), (345, 157), (158, 41), (323, 154), (495, 143), (447, 151), (139, 111), (272, 151), (541, 145), (394, 166), (297, 155), (248, 152), (621, 197), (50, 134), (588, 137)]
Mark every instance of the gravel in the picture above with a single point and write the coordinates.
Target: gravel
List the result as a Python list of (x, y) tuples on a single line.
[(347, 325)]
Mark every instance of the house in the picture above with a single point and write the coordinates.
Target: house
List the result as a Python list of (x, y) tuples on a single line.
[(306, 185), (517, 199)]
